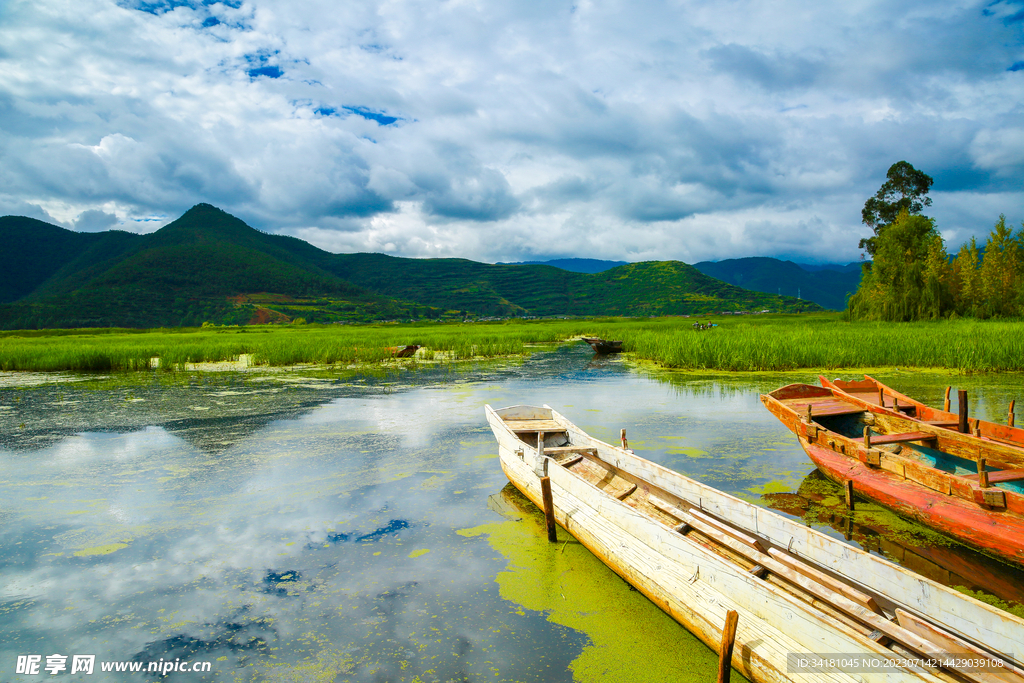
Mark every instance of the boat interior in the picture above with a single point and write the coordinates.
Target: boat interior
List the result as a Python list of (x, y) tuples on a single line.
[(921, 449), (944, 450)]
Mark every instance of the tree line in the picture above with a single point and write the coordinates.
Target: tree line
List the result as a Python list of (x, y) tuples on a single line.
[(911, 276)]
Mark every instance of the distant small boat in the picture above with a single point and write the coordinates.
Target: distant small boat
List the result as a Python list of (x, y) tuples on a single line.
[(603, 347), (962, 485), (699, 553), (404, 351)]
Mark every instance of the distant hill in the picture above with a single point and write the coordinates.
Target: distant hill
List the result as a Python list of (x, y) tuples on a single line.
[(575, 265), (823, 285), (840, 267), (190, 271), (211, 266), (33, 251)]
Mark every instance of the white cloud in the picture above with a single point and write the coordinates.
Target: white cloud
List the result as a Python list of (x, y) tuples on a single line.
[(506, 131), (1001, 151)]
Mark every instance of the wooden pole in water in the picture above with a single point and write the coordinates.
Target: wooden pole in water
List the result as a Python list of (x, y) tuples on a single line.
[(728, 639), (945, 403), (849, 494), (982, 474), (1009, 418), (549, 508), (622, 436), (961, 395)]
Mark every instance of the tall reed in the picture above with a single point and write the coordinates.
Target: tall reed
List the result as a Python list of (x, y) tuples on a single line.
[(747, 343)]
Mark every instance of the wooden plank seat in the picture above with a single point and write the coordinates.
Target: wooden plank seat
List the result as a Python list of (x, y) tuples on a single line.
[(870, 394), (994, 477), (901, 438), (557, 450), (567, 456), (1004, 441), (942, 423), (823, 407), (546, 426)]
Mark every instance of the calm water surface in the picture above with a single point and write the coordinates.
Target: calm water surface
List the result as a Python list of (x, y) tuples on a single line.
[(308, 525)]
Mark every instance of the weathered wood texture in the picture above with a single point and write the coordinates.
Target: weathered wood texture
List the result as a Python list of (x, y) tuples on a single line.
[(1006, 434), (725, 650), (549, 508)]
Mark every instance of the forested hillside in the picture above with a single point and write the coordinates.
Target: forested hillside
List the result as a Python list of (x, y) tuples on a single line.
[(209, 266)]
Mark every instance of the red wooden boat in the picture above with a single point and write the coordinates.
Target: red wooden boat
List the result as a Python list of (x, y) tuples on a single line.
[(870, 390), (967, 487)]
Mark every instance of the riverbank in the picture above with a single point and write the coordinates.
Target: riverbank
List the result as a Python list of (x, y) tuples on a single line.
[(745, 343)]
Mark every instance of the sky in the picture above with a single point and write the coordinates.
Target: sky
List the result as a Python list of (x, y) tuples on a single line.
[(507, 131)]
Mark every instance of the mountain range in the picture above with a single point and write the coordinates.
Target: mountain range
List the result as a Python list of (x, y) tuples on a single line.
[(209, 266), (576, 265), (826, 284)]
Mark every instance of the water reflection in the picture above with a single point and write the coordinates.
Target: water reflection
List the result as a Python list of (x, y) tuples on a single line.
[(304, 525), (821, 502)]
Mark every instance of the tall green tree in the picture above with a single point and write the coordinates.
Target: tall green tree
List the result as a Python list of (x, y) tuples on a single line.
[(904, 189), (1001, 274), (967, 279), (909, 278)]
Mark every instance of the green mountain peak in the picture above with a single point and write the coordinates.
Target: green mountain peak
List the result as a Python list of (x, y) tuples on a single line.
[(210, 266)]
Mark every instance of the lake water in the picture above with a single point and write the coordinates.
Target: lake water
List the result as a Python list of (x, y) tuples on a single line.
[(306, 525)]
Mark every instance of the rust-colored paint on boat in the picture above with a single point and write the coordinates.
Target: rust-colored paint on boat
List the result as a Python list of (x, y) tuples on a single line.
[(988, 519), (1001, 535), (1003, 453)]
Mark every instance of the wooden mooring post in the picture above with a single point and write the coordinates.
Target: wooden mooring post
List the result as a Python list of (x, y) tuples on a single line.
[(725, 652), (848, 487), (982, 473), (962, 427), (1009, 417), (549, 508), (945, 402)]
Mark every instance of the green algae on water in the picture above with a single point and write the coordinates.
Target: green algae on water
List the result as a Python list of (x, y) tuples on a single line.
[(101, 549), (631, 638)]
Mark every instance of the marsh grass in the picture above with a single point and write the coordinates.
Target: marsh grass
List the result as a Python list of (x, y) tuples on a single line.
[(113, 350), (747, 343)]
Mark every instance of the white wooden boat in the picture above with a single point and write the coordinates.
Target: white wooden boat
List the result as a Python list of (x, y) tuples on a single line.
[(698, 553)]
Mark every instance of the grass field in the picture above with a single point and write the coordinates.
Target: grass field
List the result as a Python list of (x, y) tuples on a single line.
[(739, 343)]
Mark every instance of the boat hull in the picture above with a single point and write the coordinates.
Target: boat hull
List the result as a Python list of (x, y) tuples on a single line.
[(994, 533), (953, 504), (697, 586), (608, 547), (603, 347)]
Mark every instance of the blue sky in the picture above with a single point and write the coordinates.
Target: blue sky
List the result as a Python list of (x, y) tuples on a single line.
[(505, 131)]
